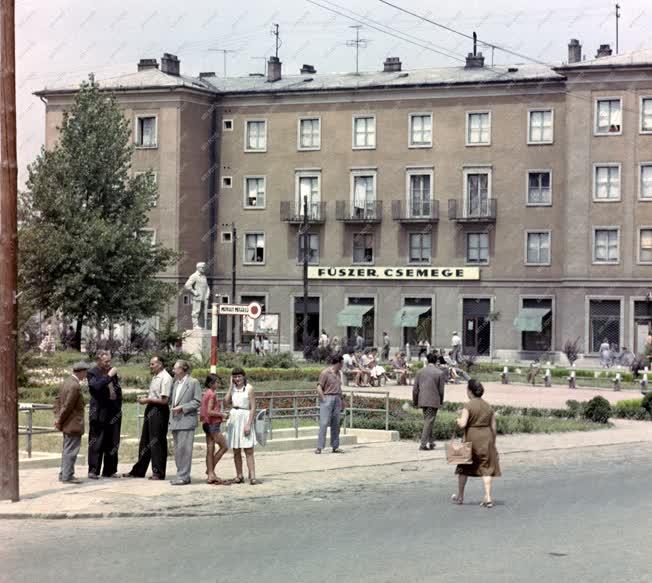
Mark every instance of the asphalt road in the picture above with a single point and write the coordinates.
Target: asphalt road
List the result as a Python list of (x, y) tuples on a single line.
[(562, 518)]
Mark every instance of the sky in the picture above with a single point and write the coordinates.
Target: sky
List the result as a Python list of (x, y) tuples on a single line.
[(62, 41)]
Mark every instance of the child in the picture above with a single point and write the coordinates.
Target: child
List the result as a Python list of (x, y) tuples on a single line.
[(211, 416)]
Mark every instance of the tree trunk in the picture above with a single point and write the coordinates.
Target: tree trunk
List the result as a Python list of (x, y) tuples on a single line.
[(78, 333)]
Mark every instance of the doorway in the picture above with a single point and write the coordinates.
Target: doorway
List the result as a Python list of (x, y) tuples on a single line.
[(477, 327)]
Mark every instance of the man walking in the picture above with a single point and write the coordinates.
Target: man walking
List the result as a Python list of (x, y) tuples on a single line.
[(186, 400), (153, 440), (359, 342), (428, 394), (386, 346), (69, 419), (331, 404), (456, 347), (105, 418)]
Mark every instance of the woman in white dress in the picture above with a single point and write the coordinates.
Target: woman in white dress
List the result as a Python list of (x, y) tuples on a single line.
[(240, 433)]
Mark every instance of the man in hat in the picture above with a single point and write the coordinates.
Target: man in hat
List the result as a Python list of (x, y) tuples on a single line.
[(69, 419), (456, 347)]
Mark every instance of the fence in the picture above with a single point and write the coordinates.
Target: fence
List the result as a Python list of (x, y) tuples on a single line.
[(29, 430), (298, 410)]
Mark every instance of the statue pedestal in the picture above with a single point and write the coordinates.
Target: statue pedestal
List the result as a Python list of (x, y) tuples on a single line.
[(197, 342)]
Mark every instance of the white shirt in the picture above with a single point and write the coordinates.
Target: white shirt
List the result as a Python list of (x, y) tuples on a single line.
[(161, 385), (456, 340), (180, 386)]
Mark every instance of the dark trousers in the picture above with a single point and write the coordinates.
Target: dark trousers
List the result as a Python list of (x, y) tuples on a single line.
[(429, 415), (153, 442), (104, 442)]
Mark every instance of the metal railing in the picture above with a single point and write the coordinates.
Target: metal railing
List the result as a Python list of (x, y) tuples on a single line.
[(359, 212), (29, 430), (292, 212), (472, 211), (425, 211)]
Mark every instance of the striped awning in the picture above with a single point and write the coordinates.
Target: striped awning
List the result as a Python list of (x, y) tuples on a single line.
[(530, 319), (352, 315), (409, 315)]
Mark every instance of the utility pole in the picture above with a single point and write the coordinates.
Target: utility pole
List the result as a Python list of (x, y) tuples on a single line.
[(224, 53), (234, 248), (306, 253), (357, 43), (8, 257), (617, 19), (277, 41)]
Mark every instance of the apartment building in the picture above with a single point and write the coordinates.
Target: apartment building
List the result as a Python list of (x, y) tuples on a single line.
[(509, 204)]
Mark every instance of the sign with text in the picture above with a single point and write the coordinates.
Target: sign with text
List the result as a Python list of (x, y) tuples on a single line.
[(252, 310), (267, 324), (382, 273)]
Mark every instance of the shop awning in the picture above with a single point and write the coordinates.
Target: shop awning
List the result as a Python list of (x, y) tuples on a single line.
[(352, 315), (530, 319), (409, 315)]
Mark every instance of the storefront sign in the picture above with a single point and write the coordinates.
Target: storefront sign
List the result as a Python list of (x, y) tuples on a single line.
[(412, 273)]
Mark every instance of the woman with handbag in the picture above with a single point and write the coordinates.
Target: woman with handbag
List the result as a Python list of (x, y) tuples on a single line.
[(240, 433), (479, 423)]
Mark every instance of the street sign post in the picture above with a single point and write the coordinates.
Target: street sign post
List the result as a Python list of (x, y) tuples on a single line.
[(252, 310)]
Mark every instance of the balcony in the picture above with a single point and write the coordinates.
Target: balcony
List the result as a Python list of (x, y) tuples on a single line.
[(367, 212), (292, 212), (426, 211), (483, 211)]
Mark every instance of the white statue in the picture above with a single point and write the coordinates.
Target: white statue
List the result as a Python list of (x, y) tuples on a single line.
[(197, 285)]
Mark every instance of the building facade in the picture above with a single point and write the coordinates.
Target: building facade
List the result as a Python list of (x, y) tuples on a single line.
[(510, 204)]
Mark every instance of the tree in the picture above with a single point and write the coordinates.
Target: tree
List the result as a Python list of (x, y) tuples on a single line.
[(82, 246)]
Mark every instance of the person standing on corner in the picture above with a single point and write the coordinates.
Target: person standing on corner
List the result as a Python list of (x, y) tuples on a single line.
[(104, 418), (154, 438), (456, 347), (331, 404), (185, 400), (386, 346), (428, 394), (69, 419)]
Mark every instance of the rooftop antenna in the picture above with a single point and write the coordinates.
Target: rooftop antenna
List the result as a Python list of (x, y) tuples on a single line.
[(617, 19), (475, 44), (357, 43), (224, 53), (278, 42)]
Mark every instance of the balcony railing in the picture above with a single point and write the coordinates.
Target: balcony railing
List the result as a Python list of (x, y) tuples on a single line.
[(359, 212), (426, 211), (482, 211), (292, 212)]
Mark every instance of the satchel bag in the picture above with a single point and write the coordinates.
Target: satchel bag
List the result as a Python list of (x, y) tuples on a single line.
[(459, 452), (262, 426)]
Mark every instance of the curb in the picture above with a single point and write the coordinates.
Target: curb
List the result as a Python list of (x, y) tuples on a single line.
[(190, 514)]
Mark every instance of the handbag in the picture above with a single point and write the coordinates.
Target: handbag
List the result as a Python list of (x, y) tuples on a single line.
[(262, 426), (459, 452)]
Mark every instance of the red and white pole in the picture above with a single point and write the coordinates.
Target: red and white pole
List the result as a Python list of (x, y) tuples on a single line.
[(214, 339)]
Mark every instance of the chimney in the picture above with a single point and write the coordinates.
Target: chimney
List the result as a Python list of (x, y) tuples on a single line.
[(308, 69), (145, 64), (392, 64), (273, 69), (170, 64), (603, 51), (474, 60), (574, 51)]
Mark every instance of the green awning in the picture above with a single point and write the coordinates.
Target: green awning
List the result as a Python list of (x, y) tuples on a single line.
[(531, 319), (409, 316), (352, 315)]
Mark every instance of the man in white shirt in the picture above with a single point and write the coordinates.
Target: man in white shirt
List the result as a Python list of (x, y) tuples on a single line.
[(153, 440), (456, 345)]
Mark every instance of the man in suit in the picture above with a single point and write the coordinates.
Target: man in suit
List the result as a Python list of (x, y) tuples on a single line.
[(185, 401), (104, 417), (428, 394), (69, 419)]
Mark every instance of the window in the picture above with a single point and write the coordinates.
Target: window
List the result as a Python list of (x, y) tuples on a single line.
[(478, 129), (154, 178), (608, 116), (540, 127), (254, 192), (149, 234), (420, 130), (477, 202), (420, 248), (537, 248), (227, 181), (538, 188), (309, 134), (313, 248), (255, 248), (186, 300), (364, 132), (256, 136), (538, 341), (308, 187), (645, 187), (605, 245), (420, 195), (646, 114), (645, 245), (227, 125), (477, 248), (604, 324), (146, 131), (364, 195), (363, 248), (606, 182), (226, 236)]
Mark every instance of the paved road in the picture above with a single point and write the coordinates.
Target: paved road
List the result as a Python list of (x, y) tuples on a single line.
[(566, 517)]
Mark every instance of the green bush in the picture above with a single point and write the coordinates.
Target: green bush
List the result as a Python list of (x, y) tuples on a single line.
[(628, 409), (597, 410), (646, 402), (264, 374), (575, 407)]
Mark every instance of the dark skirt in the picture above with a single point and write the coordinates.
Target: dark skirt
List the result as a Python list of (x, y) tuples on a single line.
[(485, 454)]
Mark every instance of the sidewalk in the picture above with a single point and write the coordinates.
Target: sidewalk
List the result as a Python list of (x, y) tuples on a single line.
[(284, 475)]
